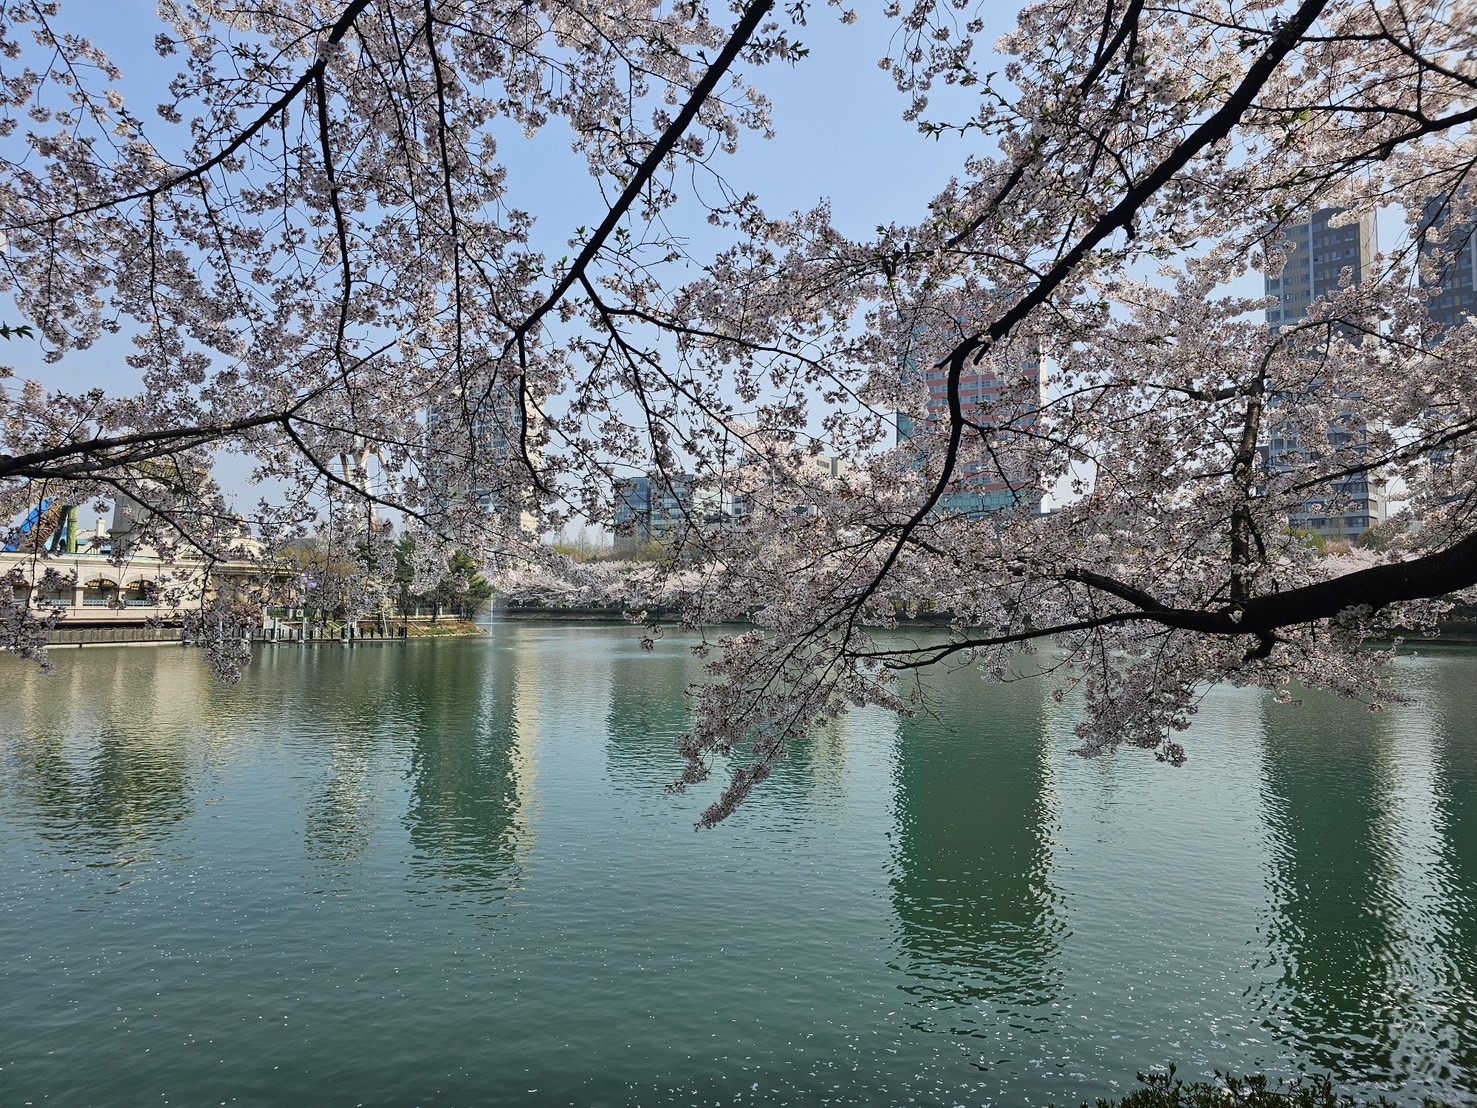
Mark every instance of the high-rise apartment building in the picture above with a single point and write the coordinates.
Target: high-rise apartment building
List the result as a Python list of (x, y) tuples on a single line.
[(988, 478), (1448, 246), (1449, 253), (1316, 265), (1320, 256), (478, 447)]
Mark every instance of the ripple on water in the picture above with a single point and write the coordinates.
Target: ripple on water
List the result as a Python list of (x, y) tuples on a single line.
[(449, 873)]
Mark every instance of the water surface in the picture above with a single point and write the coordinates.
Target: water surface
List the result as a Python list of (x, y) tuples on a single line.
[(448, 873)]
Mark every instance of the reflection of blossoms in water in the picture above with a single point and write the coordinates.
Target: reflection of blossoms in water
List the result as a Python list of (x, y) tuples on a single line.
[(648, 711), (339, 821)]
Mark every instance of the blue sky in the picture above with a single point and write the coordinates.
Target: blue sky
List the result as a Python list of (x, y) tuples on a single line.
[(839, 136)]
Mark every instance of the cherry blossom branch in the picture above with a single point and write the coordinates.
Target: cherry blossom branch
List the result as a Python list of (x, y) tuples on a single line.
[(1213, 130), (1374, 588), (238, 141), (37, 464)]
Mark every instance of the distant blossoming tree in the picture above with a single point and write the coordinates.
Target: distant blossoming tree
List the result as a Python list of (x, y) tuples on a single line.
[(314, 248)]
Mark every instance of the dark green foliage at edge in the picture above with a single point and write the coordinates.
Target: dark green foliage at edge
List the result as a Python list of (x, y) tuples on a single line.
[(1164, 1090)]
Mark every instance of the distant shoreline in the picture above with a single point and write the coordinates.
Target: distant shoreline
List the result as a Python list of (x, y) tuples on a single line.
[(601, 614), (64, 636), (1454, 634)]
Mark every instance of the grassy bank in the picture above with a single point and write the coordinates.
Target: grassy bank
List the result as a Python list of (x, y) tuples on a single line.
[(445, 628)]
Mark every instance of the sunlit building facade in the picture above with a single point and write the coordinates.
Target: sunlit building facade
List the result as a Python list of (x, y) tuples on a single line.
[(1322, 252), (988, 479)]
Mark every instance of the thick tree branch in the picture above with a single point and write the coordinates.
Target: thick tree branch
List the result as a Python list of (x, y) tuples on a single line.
[(35, 464), (1377, 587)]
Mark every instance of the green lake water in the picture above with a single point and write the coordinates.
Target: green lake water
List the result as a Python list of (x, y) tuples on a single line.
[(448, 873)]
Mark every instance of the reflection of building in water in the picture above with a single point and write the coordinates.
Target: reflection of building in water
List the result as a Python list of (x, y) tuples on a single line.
[(472, 810), (820, 764), (973, 897), (523, 757), (103, 745), (1452, 705), (1335, 930), (355, 693), (340, 818)]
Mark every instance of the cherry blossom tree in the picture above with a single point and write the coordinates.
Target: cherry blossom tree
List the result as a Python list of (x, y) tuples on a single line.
[(316, 250)]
